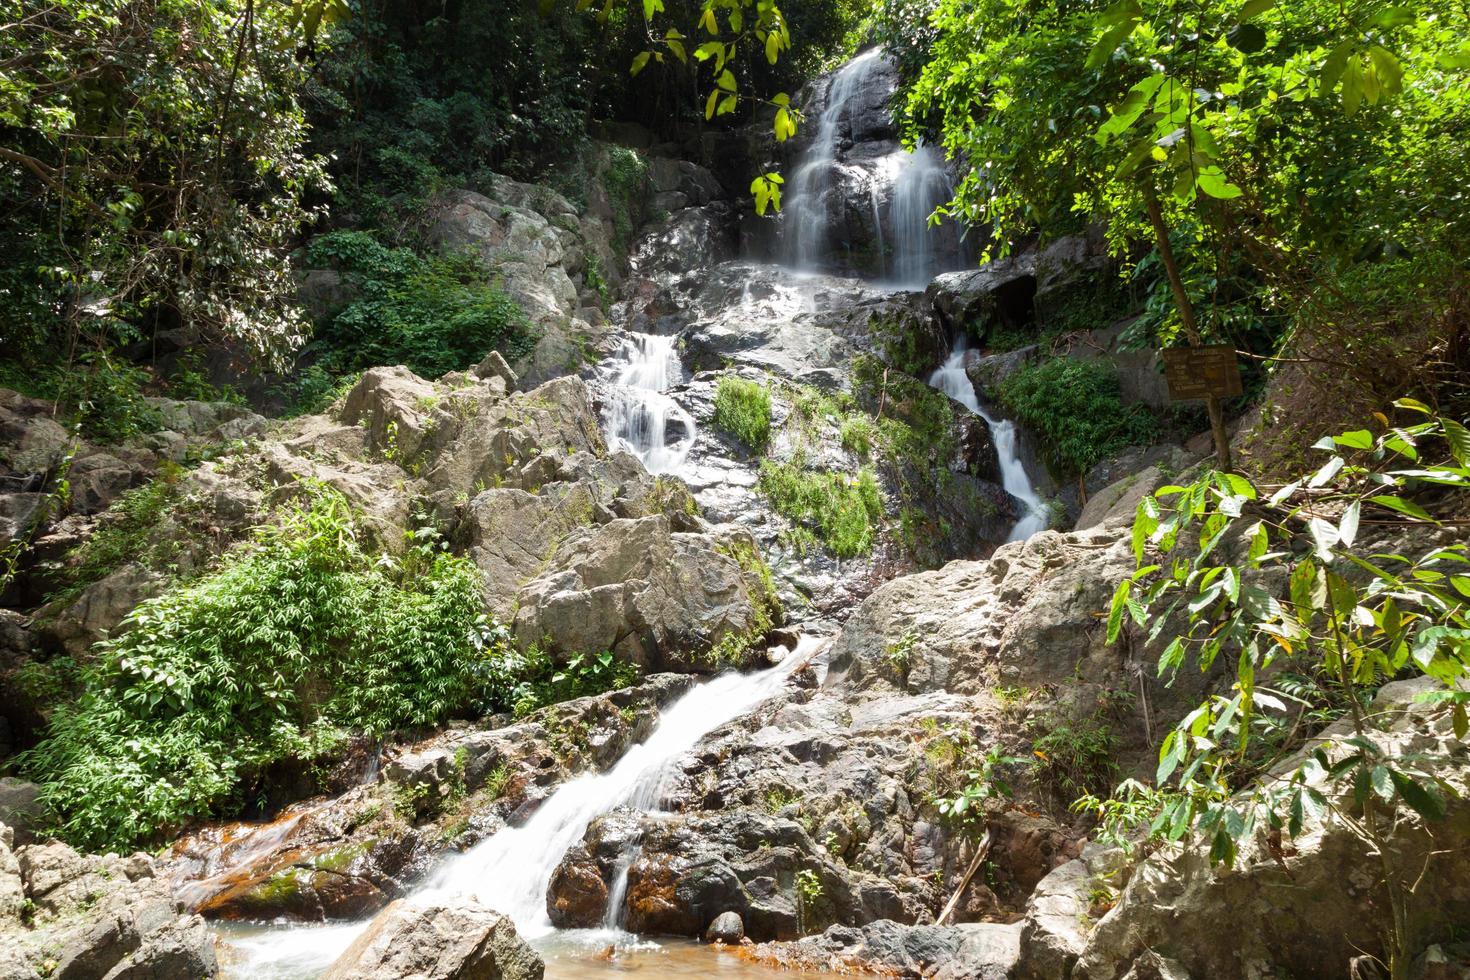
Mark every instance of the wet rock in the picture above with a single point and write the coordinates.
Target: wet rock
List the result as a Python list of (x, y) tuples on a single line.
[(576, 897), (463, 941), (986, 373), (726, 928)]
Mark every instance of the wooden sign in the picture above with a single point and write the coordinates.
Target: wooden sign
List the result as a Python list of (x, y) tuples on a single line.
[(1199, 372)]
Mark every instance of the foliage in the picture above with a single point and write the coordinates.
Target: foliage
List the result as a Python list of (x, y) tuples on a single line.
[(1352, 617), (841, 508), (981, 785), (1076, 406), (298, 636), (523, 682), (153, 173), (1274, 148), (434, 314), (1074, 758), (625, 179), (743, 409)]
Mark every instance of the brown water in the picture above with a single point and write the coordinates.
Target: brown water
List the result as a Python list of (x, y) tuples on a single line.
[(252, 951)]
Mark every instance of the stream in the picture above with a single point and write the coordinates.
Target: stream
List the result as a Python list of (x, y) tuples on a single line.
[(510, 870)]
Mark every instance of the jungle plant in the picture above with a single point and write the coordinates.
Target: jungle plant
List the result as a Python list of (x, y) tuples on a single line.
[(1352, 617), (967, 806)]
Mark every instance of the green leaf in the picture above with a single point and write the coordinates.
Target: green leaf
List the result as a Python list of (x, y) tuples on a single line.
[(1347, 527), (1459, 439), (651, 7), (640, 61), (1254, 8), (1421, 799), (1357, 439), (1406, 507), (726, 81), (1115, 612)]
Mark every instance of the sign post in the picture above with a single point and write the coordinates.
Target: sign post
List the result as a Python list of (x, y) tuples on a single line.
[(1209, 373)]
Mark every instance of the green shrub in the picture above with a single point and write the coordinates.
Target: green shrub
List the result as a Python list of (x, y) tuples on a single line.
[(104, 393), (743, 409), (298, 637), (843, 509), (434, 314), (1076, 408)]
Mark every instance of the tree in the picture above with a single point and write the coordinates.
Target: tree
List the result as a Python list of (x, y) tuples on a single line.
[(1259, 150), (153, 169)]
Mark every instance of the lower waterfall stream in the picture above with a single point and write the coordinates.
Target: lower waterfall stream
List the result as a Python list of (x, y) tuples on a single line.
[(510, 870)]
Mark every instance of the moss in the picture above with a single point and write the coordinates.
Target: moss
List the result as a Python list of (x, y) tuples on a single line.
[(1077, 407), (625, 179), (339, 859), (743, 409)]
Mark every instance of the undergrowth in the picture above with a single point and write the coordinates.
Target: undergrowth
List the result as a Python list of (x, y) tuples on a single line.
[(1077, 409), (743, 409), (842, 509)]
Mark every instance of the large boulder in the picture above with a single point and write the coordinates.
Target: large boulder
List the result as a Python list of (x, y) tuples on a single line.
[(460, 941)]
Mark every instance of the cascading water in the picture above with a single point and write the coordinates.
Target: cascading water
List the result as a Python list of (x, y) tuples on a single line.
[(805, 214), (923, 184), (639, 415), (952, 379), (511, 870)]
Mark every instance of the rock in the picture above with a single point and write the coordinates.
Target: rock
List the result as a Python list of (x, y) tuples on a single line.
[(1450, 961), (97, 478), (205, 422), (31, 441), (494, 366), (20, 808), (1305, 910), (1055, 929), (101, 607), (687, 240), (20, 515), (1000, 293), (100, 917), (972, 951), (463, 941), (726, 928), (986, 373), (12, 886)]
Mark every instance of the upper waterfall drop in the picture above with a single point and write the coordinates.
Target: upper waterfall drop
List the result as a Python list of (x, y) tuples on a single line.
[(952, 379), (857, 198)]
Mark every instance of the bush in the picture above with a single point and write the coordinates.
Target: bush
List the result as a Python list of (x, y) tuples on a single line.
[(841, 508), (1077, 409), (126, 533), (434, 314), (298, 637), (743, 409)]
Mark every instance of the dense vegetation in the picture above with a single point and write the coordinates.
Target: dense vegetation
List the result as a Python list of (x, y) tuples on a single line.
[(298, 640), (1255, 165)]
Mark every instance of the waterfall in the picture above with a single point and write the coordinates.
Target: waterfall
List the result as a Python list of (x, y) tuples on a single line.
[(511, 870), (923, 184), (804, 217), (638, 414), (951, 379)]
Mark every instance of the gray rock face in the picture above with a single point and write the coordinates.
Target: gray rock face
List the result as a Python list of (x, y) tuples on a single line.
[(538, 246), (459, 941), (20, 808)]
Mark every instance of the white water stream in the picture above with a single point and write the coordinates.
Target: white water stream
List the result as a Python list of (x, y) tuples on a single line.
[(510, 870), (951, 379), (639, 414)]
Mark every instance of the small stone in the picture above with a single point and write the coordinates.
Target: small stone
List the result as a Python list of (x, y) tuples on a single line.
[(727, 928)]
